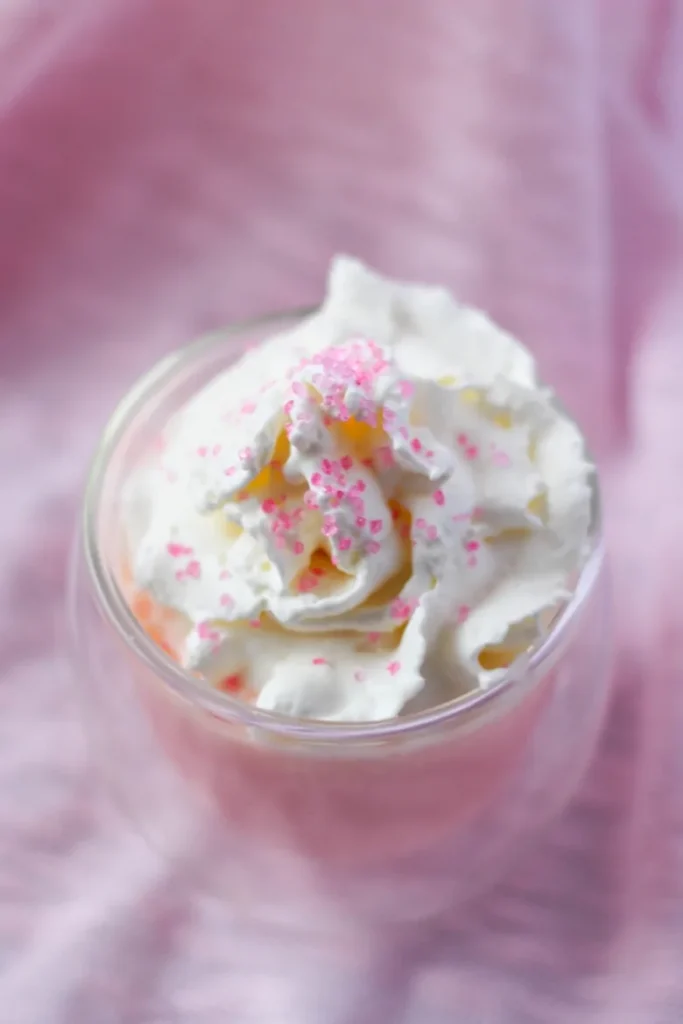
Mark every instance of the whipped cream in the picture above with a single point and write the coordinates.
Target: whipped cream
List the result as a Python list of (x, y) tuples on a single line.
[(373, 511)]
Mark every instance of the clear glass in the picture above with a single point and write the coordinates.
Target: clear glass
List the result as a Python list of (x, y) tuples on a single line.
[(393, 820)]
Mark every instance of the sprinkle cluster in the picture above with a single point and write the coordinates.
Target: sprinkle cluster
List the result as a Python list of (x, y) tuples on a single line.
[(329, 464)]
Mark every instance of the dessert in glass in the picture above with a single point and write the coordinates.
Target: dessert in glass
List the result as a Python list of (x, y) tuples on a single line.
[(339, 600)]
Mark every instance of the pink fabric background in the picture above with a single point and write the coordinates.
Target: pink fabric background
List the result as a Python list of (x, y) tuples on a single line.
[(168, 164)]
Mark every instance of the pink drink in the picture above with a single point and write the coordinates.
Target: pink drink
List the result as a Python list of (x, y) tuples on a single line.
[(399, 818)]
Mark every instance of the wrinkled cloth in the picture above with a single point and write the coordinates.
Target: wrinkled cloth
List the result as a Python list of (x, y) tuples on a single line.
[(168, 166)]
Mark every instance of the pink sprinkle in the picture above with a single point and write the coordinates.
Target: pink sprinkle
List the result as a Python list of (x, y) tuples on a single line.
[(307, 582), (421, 523), (317, 479), (432, 533), (439, 497), (288, 406), (309, 500), (194, 569), (176, 550), (268, 506), (255, 623), (393, 667), (326, 466), (462, 439), (317, 571), (399, 609), (329, 528), (374, 637), (202, 451), (344, 543), (227, 601), (346, 462), (280, 542), (245, 454), (430, 455), (298, 548), (375, 526), (463, 612), (230, 470), (360, 522), (374, 547), (407, 388), (386, 456), (249, 407), (416, 444), (359, 676), (471, 452), (472, 545), (232, 683), (359, 486), (320, 661)]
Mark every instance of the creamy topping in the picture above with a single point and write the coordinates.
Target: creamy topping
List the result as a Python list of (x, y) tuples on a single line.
[(385, 483)]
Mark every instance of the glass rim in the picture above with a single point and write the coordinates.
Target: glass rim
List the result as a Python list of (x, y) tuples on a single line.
[(115, 609)]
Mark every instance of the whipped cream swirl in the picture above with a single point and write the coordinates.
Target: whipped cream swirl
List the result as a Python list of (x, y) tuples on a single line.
[(383, 496)]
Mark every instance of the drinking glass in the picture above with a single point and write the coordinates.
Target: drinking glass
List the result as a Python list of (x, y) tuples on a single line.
[(393, 820)]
